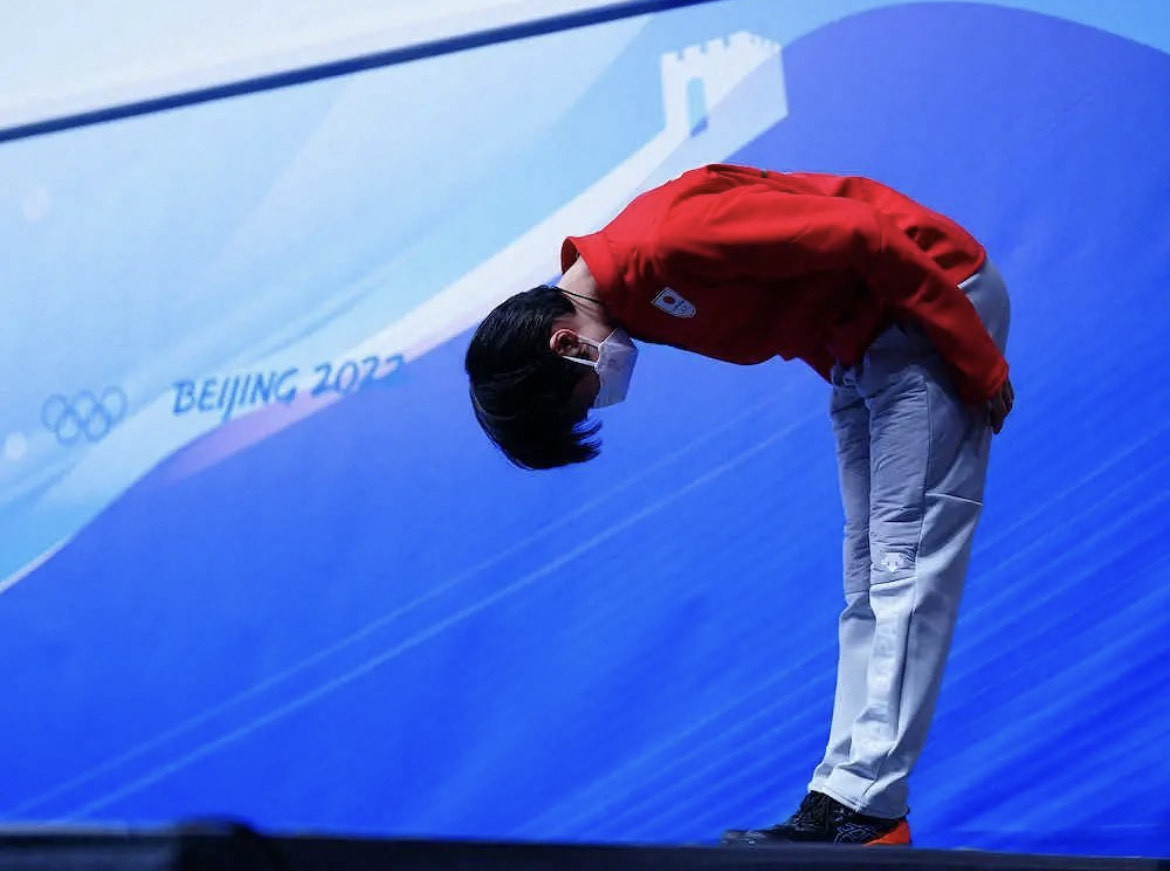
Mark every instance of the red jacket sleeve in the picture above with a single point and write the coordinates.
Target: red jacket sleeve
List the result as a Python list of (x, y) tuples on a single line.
[(756, 232)]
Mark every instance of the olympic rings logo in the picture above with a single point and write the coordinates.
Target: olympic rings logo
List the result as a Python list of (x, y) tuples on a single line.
[(84, 415)]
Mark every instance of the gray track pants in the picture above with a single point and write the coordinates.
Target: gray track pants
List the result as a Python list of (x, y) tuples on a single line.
[(912, 458)]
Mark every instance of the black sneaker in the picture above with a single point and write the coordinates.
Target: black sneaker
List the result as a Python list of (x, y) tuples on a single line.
[(809, 823), (847, 826)]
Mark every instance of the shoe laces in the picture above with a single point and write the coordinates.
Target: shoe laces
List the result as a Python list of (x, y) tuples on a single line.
[(814, 809)]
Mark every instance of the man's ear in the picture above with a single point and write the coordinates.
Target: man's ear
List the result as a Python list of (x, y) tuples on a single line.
[(564, 341)]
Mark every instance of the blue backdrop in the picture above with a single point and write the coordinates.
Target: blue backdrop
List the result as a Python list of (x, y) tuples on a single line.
[(348, 614)]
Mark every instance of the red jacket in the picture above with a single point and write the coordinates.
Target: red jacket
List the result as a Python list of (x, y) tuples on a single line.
[(744, 264)]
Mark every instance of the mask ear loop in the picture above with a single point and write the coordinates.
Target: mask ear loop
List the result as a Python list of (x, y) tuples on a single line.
[(590, 363), (578, 295)]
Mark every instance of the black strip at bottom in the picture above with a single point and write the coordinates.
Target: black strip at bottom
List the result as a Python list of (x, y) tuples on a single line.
[(238, 847)]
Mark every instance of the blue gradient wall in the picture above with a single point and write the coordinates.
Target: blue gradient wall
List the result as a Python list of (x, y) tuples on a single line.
[(256, 558)]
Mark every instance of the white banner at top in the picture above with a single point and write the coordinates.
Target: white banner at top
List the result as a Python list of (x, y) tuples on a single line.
[(62, 57)]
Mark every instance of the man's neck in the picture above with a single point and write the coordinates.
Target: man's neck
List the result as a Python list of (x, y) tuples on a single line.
[(579, 282)]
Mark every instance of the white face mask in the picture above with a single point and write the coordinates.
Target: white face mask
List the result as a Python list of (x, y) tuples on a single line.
[(615, 366)]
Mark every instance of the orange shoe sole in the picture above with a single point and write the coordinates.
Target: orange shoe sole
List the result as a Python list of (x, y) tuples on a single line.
[(900, 837)]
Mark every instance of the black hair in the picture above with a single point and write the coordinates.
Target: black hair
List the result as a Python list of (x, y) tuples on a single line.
[(522, 390)]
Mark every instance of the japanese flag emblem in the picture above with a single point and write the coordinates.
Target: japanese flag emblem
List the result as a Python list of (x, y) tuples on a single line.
[(673, 303)]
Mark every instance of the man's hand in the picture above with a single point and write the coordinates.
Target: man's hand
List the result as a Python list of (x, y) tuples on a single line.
[(1000, 406)]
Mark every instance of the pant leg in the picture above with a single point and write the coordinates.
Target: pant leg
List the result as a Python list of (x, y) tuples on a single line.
[(855, 627), (929, 454)]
